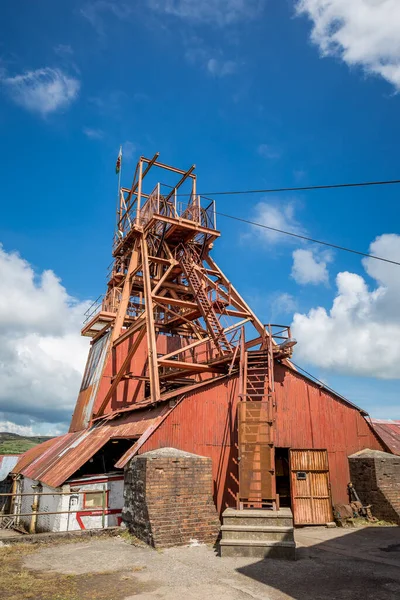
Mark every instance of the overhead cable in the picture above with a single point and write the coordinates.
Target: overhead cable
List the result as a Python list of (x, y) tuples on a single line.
[(300, 188), (308, 239)]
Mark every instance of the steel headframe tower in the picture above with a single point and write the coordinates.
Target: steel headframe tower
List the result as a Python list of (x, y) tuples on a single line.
[(163, 281)]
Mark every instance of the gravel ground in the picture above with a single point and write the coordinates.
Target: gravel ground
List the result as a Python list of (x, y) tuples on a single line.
[(331, 564)]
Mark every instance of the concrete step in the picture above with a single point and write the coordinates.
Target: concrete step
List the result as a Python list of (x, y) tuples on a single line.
[(257, 533), (259, 518), (251, 548)]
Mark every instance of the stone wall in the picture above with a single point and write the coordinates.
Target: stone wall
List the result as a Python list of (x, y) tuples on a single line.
[(168, 498), (376, 477)]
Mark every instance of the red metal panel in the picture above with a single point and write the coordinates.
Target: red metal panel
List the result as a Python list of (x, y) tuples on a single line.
[(309, 416), (130, 391), (389, 432), (205, 423)]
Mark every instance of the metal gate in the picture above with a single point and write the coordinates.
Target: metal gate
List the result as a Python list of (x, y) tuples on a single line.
[(310, 487)]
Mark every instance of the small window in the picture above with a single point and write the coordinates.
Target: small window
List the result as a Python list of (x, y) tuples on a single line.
[(301, 475), (94, 500)]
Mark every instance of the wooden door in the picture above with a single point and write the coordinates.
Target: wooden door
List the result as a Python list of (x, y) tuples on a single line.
[(310, 487)]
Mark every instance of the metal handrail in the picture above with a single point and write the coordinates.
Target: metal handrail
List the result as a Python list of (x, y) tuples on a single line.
[(93, 308)]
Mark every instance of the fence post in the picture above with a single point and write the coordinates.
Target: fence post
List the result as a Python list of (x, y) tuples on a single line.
[(103, 516)]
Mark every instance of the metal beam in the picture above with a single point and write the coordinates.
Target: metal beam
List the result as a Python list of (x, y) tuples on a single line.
[(121, 372), (151, 334), (168, 167), (175, 302), (195, 367), (126, 294)]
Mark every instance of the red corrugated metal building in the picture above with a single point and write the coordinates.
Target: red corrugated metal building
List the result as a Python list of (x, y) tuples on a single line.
[(389, 431), (204, 421), (308, 417), (171, 359)]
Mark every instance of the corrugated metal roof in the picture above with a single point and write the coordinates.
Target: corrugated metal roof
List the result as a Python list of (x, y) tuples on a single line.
[(389, 431), (54, 461), (7, 463)]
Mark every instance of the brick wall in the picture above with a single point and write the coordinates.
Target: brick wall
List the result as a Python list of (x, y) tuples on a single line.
[(168, 498), (376, 477)]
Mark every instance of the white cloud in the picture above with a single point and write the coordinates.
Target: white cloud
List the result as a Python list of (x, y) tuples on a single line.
[(9, 427), (42, 354), (360, 334), (42, 91), (93, 134), (310, 267), (363, 33), (267, 151), (278, 215), (214, 12), (221, 68), (285, 303)]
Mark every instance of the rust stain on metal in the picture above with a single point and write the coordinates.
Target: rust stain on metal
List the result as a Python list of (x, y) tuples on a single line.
[(56, 460), (389, 431), (308, 416)]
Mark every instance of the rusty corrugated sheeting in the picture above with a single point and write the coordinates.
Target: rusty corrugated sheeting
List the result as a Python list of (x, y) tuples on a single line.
[(102, 365), (30, 455), (389, 431), (204, 423), (90, 383), (309, 416), (183, 391), (57, 459)]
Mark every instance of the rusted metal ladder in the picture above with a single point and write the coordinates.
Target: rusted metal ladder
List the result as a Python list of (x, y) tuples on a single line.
[(190, 268), (257, 485)]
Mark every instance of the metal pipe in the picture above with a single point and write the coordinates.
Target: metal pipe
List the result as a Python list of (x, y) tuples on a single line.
[(43, 493), (59, 512), (35, 507), (13, 494), (139, 194)]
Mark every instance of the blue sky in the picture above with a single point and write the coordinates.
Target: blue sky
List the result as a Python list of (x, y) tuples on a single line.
[(257, 94)]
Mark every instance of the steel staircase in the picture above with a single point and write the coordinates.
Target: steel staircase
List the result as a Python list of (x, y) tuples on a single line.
[(258, 374), (256, 431), (190, 268)]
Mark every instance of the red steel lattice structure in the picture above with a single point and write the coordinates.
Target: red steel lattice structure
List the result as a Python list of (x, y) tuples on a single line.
[(171, 320)]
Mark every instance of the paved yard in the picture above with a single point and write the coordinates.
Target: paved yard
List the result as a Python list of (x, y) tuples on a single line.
[(332, 564)]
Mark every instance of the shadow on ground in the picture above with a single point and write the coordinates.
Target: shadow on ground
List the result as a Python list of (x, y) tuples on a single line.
[(359, 564)]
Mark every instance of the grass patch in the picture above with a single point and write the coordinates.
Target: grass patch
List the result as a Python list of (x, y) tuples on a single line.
[(16, 446), (17, 583), (131, 539), (361, 522)]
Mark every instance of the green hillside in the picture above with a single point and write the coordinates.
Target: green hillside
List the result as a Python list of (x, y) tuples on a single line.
[(12, 443)]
